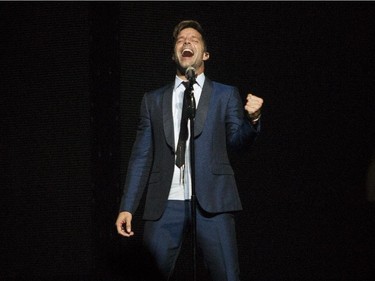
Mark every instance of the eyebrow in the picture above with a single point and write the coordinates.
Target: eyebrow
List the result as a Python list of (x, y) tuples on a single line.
[(193, 36)]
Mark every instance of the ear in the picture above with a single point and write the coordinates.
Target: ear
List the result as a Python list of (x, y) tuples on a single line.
[(206, 56)]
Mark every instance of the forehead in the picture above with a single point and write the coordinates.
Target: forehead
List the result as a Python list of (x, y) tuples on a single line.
[(189, 32)]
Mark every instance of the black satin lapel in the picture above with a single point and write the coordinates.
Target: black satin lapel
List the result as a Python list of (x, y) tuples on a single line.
[(202, 108), (168, 117)]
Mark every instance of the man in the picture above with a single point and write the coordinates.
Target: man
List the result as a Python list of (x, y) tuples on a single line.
[(222, 126)]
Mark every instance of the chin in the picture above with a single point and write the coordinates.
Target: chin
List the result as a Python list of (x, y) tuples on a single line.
[(182, 67), (186, 63)]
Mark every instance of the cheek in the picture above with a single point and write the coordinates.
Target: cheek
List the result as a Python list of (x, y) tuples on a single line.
[(175, 54)]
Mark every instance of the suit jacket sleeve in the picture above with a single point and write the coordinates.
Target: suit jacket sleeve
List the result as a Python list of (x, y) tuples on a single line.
[(139, 163), (241, 134)]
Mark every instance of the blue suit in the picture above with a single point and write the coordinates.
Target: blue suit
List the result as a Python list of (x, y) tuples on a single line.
[(220, 129)]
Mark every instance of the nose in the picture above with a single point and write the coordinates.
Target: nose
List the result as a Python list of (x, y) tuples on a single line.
[(187, 41)]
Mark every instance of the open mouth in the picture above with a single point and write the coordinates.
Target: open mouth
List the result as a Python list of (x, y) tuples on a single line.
[(187, 53)]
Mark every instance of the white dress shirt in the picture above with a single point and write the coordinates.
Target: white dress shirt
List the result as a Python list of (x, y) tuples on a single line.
[(181, 182)]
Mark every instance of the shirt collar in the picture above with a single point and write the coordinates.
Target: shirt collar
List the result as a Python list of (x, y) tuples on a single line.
[(200, 80)]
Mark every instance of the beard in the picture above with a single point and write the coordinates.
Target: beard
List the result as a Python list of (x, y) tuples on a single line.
[(180, 68)]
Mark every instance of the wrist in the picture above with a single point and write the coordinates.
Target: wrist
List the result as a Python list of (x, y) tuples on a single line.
[(254, 119)]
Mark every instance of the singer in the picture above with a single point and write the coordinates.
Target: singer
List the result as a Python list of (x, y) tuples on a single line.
[(223, 125)]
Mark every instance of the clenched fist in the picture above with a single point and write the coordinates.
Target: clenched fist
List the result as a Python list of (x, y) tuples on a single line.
[(253, 107)]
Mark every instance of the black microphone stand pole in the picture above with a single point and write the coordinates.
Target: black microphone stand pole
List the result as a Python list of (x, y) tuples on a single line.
[(191, 115)]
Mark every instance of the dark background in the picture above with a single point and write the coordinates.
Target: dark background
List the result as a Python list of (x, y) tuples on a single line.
[(72, 77)]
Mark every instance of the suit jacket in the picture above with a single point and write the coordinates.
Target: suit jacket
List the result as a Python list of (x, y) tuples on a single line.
[(219, 129)]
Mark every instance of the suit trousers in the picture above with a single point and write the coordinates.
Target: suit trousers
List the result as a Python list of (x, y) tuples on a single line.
[(216, 239)]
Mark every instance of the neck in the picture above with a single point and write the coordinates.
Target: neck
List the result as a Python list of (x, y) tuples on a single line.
[(181, 72)]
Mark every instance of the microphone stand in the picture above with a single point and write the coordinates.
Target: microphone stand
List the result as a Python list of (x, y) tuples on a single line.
[(191, 116)]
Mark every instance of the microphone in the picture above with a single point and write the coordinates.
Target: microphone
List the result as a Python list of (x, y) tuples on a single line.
[(190, 74), (191, 107)]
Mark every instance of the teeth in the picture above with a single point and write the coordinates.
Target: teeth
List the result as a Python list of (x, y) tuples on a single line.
[(187, 51)]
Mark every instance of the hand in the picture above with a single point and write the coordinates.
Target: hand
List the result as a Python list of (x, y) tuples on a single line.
[(123, 224), (253, 107)]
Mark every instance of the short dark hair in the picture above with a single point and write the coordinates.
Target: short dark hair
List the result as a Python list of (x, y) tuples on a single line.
[(190, 24)]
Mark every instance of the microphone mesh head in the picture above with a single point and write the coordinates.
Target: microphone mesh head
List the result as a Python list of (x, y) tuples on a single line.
[(190, 72)]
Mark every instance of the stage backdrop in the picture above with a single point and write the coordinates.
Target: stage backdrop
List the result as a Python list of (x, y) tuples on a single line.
[(46, 193)]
